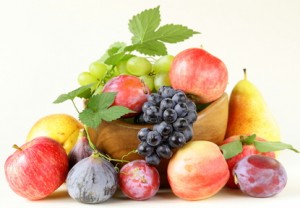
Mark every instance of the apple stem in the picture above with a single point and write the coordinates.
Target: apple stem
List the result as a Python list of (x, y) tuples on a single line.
[(245, 73), (17, 147)]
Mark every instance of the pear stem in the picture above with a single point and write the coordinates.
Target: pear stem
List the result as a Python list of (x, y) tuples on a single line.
[(245, 73)]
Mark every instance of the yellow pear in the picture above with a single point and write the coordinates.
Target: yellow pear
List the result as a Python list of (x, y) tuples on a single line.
[(249, 113), (60, 127)]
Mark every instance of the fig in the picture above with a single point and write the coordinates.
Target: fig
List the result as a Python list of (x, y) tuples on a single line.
[(80, 150), (92, 180)]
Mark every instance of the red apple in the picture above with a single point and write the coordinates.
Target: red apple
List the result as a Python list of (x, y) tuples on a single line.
[(131, 92), (199, 73), (248, 149), (197, 171), (37, 168)]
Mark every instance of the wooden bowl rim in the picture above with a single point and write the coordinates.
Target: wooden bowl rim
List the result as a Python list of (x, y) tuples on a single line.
[(125, 124)]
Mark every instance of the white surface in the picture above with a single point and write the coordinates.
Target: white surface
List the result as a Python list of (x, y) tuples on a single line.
[(44, 45)]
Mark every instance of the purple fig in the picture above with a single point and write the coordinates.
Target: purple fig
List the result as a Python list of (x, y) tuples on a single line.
[(80, 150)]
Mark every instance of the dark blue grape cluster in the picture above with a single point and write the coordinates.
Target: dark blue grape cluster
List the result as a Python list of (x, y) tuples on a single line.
[(173, 115)]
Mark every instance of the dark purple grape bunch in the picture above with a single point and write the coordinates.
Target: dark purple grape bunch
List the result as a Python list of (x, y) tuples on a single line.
[(173, 115)]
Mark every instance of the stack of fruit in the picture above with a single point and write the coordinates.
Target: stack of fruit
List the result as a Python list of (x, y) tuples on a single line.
[(163, 97)]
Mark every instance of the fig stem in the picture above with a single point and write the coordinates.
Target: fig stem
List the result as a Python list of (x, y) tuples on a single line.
[(17, 147), (245, 73)]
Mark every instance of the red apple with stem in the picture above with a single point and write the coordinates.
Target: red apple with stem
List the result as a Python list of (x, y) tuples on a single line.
[(199, 73), (37, 168)]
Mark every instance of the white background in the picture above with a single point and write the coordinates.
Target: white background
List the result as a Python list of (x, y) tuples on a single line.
[(44, 45)]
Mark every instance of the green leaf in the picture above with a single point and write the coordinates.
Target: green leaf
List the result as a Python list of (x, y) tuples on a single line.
[(152, 48), (114, 113), (143, 23), (266, 146), (90, 118), (101, 101), (113, 49), (98, 109), (248, 139), (81, 92), (172, 33), (231, 149)]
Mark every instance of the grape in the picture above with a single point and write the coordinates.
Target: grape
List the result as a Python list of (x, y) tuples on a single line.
[(145, 149), (148, 80), (153, 138), (164, 151), (192, 116), (138, 66), (139, 181), (98, 70), (152, 159), (173, 115), (260, 176), (122, 67), (163, 128), (154, 98), (86, 78), (161, 79), (163, 64), (169, 115), (142, 134), (181, 109), (188, 133), (166, 91), (180, 124), (179, 97), (152, 115), (166, 103), (177, 140), (146, 105)]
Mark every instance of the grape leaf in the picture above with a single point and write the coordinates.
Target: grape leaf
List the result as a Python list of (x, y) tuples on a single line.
[(266, 146), (152, 48), (172, 33), (81, 92), (143, 23), (231, 149), (114, 113), (99, 108)]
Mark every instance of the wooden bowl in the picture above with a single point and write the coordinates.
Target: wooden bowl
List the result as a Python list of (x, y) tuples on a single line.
[(118, 138)]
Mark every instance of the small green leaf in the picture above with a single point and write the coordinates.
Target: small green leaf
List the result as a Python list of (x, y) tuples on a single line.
[(248, 139), (101, 101), (231, 149), (113, 49), (143, 23), (81, 92), (172, 33), (152, 48), (114, 113), (266, 146), (90, 118), (115, 59)]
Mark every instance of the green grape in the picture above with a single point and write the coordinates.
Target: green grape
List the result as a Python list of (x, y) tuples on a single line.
[(163, 64), (99, 89), (138, 66), (148, 80), (86, 78), (98, 69), (122, 67), (161, 79)]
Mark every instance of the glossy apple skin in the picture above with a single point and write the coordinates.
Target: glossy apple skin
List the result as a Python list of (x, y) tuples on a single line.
[(37, 169), (131, 92), (247, 150), (197, 72), (197, 171)]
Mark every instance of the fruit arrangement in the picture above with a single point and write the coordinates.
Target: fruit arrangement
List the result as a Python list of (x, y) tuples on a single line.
[(153, 102)]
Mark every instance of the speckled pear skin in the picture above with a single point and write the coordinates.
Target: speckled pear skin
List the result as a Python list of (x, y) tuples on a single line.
[(249, 113), (92, 180)]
